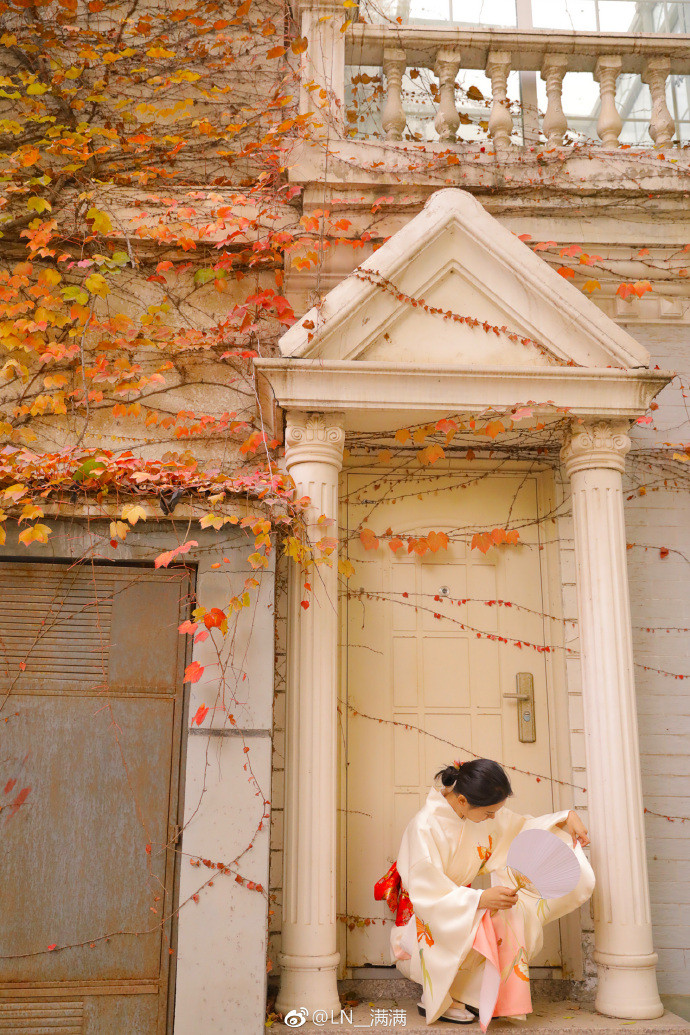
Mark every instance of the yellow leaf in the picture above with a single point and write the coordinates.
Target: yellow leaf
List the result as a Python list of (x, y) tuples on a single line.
[(101, 220), (211, 521), (591, 285), (118, 529), (682, 457), (97, 285), (29, 512), (346, 567), (15, 492), (36, 204), (34, 534), (133, 512)]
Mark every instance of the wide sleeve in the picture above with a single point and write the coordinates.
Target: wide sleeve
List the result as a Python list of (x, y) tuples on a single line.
[(446, 914), (422, 871)]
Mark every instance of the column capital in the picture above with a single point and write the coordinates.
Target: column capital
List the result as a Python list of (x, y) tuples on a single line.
[(314, 437), (595, 444)]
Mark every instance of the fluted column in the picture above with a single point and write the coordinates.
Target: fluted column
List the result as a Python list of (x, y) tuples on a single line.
[(309, 960), (594, 458)]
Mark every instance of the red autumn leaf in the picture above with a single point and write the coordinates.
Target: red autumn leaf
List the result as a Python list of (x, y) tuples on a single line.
[(304, 604), (214, 618), (573, 249), (193, 672), (663, 552), (201, 713), (368, 539), (187, 627), (565, 271), (53, 946)]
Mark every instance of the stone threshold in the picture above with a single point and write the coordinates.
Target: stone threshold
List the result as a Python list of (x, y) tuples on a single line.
[(547, 1018)]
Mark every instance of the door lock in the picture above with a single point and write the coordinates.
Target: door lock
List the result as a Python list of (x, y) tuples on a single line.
[(527, 733)]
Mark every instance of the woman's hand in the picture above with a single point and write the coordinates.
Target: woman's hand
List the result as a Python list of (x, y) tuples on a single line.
[(576, 828), (498, 898)]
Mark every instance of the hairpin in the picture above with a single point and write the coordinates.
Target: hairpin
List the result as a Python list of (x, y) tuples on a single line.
[(458, 765)]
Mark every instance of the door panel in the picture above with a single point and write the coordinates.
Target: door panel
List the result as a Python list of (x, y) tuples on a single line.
[(413, 658), (91, 669)]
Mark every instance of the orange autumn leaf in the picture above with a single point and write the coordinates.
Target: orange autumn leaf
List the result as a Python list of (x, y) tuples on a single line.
[(201, 713), (396, 544), (193, 672), (437, 541), (368, 539)]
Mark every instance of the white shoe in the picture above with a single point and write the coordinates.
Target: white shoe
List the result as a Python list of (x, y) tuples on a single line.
[(457, 1014)]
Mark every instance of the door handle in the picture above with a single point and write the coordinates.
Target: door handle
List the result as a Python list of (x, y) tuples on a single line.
[(527, 733)]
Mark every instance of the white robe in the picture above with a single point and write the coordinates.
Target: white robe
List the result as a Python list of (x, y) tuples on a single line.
[(440, 852)]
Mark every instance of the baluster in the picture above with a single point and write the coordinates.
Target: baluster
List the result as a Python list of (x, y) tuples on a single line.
[(661, 127), (446, 69), (393, 119), (555, 123), (500, 120), (610, 124)]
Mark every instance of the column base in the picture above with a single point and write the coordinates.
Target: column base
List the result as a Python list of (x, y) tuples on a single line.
[(627, 986), (308, 982)]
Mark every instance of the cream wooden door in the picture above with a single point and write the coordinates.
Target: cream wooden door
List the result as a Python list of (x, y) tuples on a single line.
[(413, 657)]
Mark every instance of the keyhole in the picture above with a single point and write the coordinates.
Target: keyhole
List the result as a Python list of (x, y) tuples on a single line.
[(444, 591)]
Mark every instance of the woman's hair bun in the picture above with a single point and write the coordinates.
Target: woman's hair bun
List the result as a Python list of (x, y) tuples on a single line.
[(481, 780)]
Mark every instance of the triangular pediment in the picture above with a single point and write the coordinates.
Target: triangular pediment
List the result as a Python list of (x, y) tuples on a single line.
[(456, 288)]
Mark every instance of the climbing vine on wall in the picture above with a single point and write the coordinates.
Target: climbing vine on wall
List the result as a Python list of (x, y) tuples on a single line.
[(147, 226)]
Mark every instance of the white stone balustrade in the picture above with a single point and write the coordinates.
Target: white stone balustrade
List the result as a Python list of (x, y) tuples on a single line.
[(553, 54)]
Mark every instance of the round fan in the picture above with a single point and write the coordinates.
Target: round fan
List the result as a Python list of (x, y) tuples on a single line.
[(545, 861)]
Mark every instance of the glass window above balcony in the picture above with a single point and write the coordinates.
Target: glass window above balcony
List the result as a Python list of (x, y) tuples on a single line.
[(577, 15)]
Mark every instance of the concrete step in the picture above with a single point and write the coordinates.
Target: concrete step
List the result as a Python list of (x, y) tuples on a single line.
[(547, 1018)]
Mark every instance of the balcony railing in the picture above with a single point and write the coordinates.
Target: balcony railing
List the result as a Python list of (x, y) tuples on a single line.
[(498, 52), (444, 52)]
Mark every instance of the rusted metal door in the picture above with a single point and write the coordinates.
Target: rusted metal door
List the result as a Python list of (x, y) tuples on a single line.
[(91, 714)]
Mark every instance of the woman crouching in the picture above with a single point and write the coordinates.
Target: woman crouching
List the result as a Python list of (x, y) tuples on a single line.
[(445, 930)]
